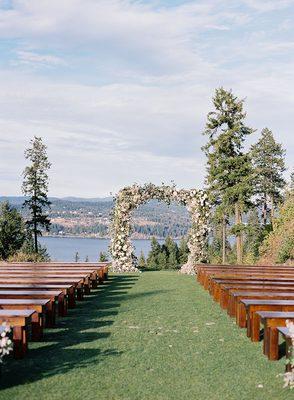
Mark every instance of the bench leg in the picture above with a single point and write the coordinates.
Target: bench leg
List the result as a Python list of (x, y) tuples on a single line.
[(19, 341), (37, 327), (50, 315), (241, 315), (71, 298), (255, 327), (62, 306), (249, 323), (272, 343), (80, 293)]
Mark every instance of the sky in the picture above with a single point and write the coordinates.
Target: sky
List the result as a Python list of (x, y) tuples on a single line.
[(119, 90)]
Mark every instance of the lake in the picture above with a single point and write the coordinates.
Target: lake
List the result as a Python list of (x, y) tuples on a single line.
[(65, 248)]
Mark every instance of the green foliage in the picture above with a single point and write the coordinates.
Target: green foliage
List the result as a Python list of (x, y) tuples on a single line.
[(183, 251), (35, 186), (12, 231), (103, 256), (167, 256), (268, 159), (229, 171), (286, 252), (254, 234), (278, 246), (142, 261)]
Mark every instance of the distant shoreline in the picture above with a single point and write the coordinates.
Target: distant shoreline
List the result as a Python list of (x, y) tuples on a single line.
[(102, 238)]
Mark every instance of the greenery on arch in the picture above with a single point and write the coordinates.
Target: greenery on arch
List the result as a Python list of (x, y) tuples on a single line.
[(129, 198)]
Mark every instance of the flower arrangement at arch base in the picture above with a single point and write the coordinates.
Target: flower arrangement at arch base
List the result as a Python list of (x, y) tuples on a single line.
[(5, 342), (129, 198)]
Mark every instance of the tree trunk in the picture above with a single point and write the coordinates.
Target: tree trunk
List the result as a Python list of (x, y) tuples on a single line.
[(224, 238), (264, 211), (35, 224), (239, 236), (272, 214)]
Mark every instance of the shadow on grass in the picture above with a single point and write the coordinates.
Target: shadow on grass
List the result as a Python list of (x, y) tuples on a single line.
[(68, 347)]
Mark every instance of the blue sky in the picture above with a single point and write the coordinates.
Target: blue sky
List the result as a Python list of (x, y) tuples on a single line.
[(120, 89)]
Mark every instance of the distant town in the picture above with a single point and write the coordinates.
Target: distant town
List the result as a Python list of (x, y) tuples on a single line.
[(78, 217)]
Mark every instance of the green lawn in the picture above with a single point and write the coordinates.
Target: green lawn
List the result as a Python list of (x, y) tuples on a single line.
[(153, 336)]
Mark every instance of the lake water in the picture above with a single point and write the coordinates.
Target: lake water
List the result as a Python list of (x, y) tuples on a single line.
[(64, 248)]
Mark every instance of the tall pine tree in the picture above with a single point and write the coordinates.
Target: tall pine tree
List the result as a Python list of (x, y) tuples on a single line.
[(269, 164), (35, 187), (229, 171)]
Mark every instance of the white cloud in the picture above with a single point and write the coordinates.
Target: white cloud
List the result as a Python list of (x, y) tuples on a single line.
[(31, 58), (134, 87)]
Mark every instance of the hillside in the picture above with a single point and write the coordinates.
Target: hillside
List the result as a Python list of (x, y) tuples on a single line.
[(279, 245), (91, 217)]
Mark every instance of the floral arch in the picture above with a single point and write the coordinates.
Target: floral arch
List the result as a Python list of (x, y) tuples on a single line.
[(129, 198)]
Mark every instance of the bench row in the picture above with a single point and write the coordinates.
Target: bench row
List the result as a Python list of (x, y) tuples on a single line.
[(33, 294), (256, 296)]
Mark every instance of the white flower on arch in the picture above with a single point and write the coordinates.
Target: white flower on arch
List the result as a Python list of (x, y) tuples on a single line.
[(129, 198)]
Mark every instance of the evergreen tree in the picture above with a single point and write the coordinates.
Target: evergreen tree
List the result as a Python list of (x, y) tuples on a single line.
[(171, 250), (162, 260), (268, 160), (253, 237), (152, 260), (12, 231), (35, 186), (142, 261), (229, 171), (183, 251), (103, 257)]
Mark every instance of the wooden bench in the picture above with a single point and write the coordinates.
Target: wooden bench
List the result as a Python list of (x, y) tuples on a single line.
[(235, 298), (38, 305), (19, 320), (68, 290), (284, 332), (52, 295), (90, 277), (219, 284), (271, 321), (247, 307), (228, 289), (78, 284)]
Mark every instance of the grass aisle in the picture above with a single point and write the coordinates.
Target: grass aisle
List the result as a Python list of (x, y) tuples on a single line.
[(154, 336)]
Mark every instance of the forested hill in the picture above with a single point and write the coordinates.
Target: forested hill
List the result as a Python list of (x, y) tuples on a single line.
[(90, 217)]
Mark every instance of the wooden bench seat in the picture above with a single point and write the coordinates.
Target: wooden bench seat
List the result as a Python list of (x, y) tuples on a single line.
[(247, 307), (271, 321), (90, 277), (52, 295), (227, 290), (235, 298), (218, 284), (78, 284), (38, 305), (68, 290), (19, 320)]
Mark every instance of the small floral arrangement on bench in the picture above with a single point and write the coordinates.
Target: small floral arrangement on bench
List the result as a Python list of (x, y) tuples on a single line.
[(289, 376), (5, 342)]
